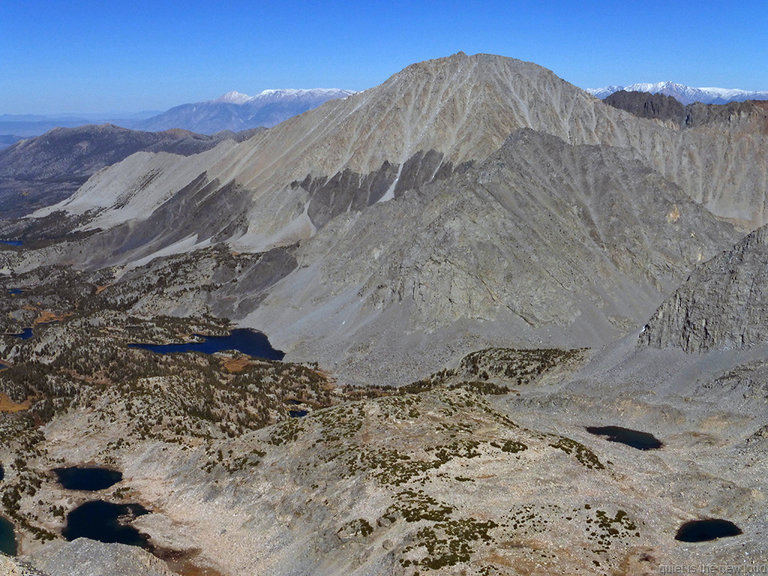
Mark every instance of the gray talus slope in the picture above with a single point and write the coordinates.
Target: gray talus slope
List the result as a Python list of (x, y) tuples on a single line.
[(84, 557), (12, 567), (723, 303), (41, 171), (514, 252)]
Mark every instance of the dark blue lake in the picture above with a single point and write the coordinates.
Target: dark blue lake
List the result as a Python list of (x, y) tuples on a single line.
[(87, 478), (2, 472), (12, 242), (25, 335), (15, 291), (706, 530), (633, 438), (7, 538), (106, 522), (249, 342)]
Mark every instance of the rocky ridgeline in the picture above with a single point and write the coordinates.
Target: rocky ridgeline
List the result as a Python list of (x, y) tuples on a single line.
[(750, 116), (723, 304), (644, 105), (41, 171)]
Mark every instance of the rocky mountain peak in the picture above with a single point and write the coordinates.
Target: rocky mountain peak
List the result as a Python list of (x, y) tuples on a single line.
[(722, 305)]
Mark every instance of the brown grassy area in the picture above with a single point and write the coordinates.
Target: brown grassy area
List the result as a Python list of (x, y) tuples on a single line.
[(47, 316), (236, 365), (8, 405)]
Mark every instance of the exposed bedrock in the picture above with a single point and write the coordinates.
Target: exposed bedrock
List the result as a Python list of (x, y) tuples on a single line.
[(723, 303)]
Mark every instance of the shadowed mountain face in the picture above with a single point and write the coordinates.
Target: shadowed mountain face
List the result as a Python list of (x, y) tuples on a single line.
[(646, 105), (42, 171), (722, 305), (747, 117)]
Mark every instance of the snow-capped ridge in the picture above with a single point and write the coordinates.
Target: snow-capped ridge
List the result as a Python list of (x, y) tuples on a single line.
[(233, 97), (238, 111), (685, 94)]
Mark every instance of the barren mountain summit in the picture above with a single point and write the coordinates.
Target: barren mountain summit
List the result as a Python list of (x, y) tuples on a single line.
[(421, 124)]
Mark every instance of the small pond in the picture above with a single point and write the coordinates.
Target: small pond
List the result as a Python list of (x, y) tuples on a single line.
[(633, 438), (106, 522), (297, 413), (7, 538), (706, 530), (2, 472), (249, 342), (15, 291), (25, 335), (87, 478), (12, 242)]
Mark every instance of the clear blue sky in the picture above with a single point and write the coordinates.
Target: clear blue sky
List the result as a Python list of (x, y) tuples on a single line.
[(130, 55)]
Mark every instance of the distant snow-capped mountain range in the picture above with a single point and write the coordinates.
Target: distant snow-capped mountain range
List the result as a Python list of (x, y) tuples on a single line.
[(233, 111), (235, 97), (237, 111), (684, 94)]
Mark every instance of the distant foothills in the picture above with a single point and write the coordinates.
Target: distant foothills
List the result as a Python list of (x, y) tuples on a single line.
[(235, 111)]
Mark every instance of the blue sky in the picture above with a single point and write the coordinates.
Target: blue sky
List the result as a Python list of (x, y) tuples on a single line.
[(87, 56)]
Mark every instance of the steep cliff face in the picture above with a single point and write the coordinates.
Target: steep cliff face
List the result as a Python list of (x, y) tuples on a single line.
[(722, 305), (645, 105), (750, 117), (747, 117)]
